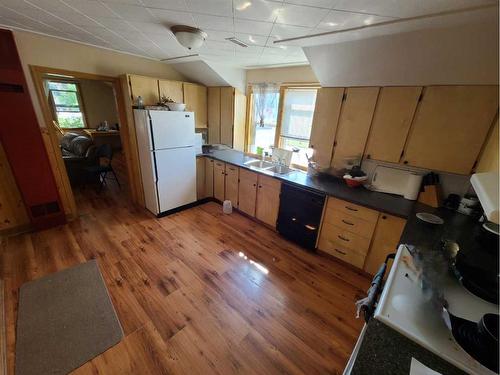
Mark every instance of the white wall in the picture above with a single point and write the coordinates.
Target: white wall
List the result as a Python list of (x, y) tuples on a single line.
[(463, 54)]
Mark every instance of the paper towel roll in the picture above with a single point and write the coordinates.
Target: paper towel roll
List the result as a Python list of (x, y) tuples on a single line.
[(413, 186)]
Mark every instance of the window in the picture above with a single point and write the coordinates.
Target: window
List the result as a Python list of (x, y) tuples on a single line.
[(265, 99), (296, 122), (66, 103)]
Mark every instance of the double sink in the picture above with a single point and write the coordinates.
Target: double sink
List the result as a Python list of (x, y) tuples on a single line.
[(266, 166)]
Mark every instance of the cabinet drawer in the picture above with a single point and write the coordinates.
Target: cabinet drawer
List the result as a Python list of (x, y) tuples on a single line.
[(269, 182), (353, 209), (350, 223), (247, 175), (341, 252), (345, 238)]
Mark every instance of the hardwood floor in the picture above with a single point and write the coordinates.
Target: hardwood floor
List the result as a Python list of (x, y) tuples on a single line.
[(197, 292)]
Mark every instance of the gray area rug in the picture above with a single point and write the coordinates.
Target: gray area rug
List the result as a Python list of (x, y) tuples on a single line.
[(65, 319)]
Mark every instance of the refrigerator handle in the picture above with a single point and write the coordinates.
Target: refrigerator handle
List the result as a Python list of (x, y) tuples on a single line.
[(155, 169), (150, 131)]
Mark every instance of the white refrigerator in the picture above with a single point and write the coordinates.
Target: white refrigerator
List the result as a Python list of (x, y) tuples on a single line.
[(167, 157)]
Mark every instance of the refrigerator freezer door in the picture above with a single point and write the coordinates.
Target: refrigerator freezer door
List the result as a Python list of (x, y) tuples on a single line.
[(171, 129), (176, 171)]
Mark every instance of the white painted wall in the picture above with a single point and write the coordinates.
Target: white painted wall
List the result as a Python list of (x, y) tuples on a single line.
[(289, 74), (459, 54)]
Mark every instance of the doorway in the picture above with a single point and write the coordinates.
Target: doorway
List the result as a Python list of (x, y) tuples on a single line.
[(86, 134)]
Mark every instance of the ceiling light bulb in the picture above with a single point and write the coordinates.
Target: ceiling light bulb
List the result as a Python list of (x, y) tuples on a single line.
[(368, 21), (332, 24)]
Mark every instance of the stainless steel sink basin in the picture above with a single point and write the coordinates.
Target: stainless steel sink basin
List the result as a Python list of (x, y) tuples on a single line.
[(279, 169), (261, 164)]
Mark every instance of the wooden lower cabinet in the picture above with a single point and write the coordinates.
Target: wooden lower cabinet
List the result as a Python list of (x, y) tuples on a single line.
[(247, 192), (209, 177), (385, 241), (200, 178), (268, 200), (219, 180), (231, 184)]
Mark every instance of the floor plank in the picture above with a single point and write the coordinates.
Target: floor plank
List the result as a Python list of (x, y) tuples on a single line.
[(197, 292)]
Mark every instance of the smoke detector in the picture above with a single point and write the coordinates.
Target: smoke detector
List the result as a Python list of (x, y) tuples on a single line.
[(189, 37)]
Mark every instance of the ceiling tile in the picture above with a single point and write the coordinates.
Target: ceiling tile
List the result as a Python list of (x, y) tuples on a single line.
[(204, 21), (218, 36), (213, 7), (130, 2), (287, 31), (90, 8), (171, 17), (166, 4), (131, 12), (250, 39), (252, 27), (406, 8), (301, 15), (314, 3), (148, 27), (336, 20), (115, 24), (259, 10)]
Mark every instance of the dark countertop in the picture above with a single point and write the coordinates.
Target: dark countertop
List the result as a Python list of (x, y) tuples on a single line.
[(330, 185), (385, 351)]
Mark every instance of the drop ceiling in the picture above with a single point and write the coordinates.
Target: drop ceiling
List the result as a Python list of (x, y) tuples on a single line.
[(141, 26)]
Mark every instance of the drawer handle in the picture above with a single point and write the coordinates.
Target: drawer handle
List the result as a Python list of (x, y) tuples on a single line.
[(351, 209), (347, 222), (340, 252), (310, 227), (294, 219), (343, 238)]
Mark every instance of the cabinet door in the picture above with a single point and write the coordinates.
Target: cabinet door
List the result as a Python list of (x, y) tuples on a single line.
[(200, 178), (209, 177), (226, 115), (240, 115), (219, 180), (450, 126), (325, 121), (247, 192), (145, 87), (391, 122), (268, 200), (213, 109), (231, 189), (385, 241), (354, 124), (195, 97), (172, 90)]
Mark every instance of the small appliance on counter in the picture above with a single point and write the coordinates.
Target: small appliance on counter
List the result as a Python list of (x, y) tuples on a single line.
[(396, 181)]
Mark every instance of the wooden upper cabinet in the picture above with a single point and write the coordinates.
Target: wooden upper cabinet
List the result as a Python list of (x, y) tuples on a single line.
[(385, 241), (231, 187), (450, 126), (226, 115), (172, 90), (195, 97), (354, 124), (213, 115), (391, 122), (240, 114), (145, 87), (325, 121)]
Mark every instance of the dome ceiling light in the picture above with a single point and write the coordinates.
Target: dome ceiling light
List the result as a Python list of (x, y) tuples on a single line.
[(189, 37)]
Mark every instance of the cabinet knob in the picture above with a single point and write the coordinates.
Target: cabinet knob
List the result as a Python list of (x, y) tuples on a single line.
[(254, 184), (368, 156), (260, 186), (384, 217), (405, 162)]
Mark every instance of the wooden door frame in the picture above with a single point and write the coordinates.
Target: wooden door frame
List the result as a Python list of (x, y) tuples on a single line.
[(38, 74)]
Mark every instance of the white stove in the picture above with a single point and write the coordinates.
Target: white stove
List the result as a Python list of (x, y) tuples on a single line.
[(404, 307)]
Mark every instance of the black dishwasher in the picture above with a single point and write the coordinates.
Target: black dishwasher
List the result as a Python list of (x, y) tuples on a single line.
[(300, 215)]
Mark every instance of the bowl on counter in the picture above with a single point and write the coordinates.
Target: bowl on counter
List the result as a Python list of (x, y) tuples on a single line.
[(354, 181)]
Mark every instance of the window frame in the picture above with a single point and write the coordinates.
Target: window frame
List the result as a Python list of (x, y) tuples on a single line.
[(79, 98)]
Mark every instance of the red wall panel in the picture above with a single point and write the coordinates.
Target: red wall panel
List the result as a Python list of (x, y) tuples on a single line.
[(22, 141)]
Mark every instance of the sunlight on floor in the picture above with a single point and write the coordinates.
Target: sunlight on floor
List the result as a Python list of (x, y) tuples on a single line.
[(259, 266)]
